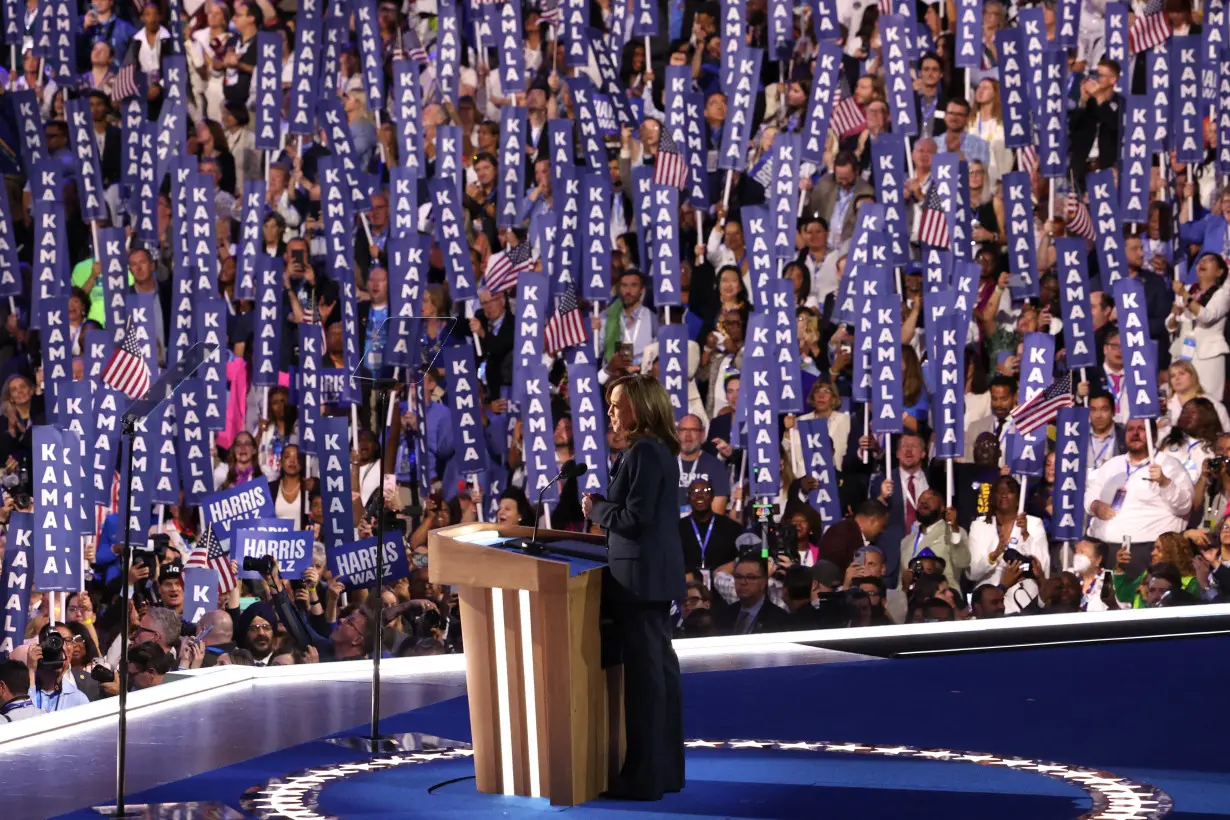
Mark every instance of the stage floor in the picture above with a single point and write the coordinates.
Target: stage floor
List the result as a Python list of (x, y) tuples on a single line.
[(1088, 731)]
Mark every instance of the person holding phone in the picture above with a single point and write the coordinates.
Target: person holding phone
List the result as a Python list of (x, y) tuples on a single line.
[(645, 574)]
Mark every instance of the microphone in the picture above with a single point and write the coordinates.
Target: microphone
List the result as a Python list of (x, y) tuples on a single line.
[(571, 469)]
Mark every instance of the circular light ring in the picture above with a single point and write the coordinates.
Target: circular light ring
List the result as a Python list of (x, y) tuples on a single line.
[(296, 796)]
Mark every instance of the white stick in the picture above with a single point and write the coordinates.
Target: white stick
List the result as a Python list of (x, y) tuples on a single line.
[(384, 160), (367, 229), (354, 425), (1020, 507), (1085, 379), (162, 514), (51, 608), (700, 235), (1050, 201), (1149, 438), (646, 51), (730, 178), (94, 236), (949, 471), (909, 163), (900, 285), (1191, 200), (967, 80), (12, 305), (866, 431), (597, 340), (742, 478)]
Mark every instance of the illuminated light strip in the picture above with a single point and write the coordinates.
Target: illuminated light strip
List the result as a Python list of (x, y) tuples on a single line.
[(296, 797), (531, 705), (501, 689), (1071, 642)]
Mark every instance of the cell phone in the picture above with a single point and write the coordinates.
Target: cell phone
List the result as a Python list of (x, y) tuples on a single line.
[(204, 633), (299, 257), (624, 348), (150, 560), (846, 347)]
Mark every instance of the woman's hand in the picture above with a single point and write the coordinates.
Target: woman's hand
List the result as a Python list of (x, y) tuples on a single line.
[(587, 504)]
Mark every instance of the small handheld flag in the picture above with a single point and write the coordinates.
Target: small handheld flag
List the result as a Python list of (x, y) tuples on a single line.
[(126, 370), (1042, 409), (504, 267), (669, 168), (209, 554), (566, 327), (934, 228)]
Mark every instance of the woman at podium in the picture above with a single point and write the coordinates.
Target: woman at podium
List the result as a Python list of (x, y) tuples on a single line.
[(645, 573)]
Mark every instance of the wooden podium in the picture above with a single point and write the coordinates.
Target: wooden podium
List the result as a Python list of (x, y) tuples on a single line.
[(541, 709)]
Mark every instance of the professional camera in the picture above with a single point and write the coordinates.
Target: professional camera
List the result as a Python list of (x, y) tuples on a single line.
[(52, 643), (102, 674), (1216, 464), (1026, 562), (17, 484), (263, 564)]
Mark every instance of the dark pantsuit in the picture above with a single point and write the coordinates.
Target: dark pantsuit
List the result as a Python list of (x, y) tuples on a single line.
[(653, 700)]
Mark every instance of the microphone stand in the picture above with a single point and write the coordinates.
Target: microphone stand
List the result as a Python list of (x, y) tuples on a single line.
[(570, 470), (384, 387)]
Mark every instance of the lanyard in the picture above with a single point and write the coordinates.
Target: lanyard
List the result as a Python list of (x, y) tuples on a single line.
[(704, 543), (917, 537), (54, 697), (1097, 459), (690, 475), (636, 327), (15, 704), (1132, 471)]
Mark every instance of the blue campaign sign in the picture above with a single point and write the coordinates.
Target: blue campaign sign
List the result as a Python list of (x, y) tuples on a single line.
[(16, 581), (1027, 453), (57, 549), (196, 475), (899, 85), (698, 150), (759, 400), (510, 187), (305, 59), (969, 34), (354, 563), (582, 90), (293, 550), (733, 27), (466, 407), (532, 307), (267, 353), (1053, 115), (1188, 134), (407, 107), (1080, 347), (785, 331), (588, 418), (1032, 23), (742, 96), (1115, 36), (1157, 92), (576, 32), (948, 397), (1013, 95), (667, 281), (1139, 350), (225, 509), (200, 592), (561, 135), (563, 263), (210, 324), (267, 80), (937, 269), (451, 235), (1135, 160), (820, 104), (887, 395), (1107, 226), (308, 374), (448, 48), (338, 503), (595, 232), (164, 447), (762, 267), (888, 168), (250, 250), (1022, 252), (1212, 45), (1071, 454), (540, 462), (511, 45), (404, 204), (818, 463), (371, 51), (673, 366), (783, 195)]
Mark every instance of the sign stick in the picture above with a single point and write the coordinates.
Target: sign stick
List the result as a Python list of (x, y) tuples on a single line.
[(700, 235), (597, 341), (478, 343), (730, 178), (949, 470), (866, 432), (354, 425), (1020, 507), (1149, 437)]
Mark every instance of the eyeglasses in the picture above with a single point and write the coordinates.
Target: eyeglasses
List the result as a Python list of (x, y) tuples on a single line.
[(748, 578), (80, 610), (701, 491), (261, 628)]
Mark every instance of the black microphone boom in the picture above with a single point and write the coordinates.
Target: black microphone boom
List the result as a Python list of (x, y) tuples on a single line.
[(571, 469)]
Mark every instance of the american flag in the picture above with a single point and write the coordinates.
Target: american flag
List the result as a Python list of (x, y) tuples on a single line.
[(414, 48), (552, 16), (126, 370), (125, 84), (1043, 407), (1028, 159), (209, 554), (848, 116), (1150, 28), (504, 267), (886, 7), (934, 228), (566, 327), (1077, 216), (669, 168)]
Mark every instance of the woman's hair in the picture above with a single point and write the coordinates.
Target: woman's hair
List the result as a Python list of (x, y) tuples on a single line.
[(1206, 426), (231, 475), (822, 386), (980, 380), (997, 108), (1190, 369), (524, 510), (84, 298), (805, 288), (79, 631), (1006, 481), (1221, 276), (439, 299), (290, 410), (655, 417), (1165, 222), (741, 296), (6, 402), (218, 134), (1176, 550), (911, 375)]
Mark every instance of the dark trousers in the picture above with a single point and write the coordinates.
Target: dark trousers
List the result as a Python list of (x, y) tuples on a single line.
[(653, 700)]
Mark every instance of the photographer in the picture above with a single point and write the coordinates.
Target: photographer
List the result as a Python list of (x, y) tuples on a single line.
[(48, 661), (1210, 496)]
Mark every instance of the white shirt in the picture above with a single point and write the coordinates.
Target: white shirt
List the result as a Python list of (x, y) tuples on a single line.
[(1148, 510), (1101, 449), (984, 540), (1192, 454), (150, 57), (920, 485)]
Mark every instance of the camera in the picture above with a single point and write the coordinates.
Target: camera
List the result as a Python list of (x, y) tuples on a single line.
[(1024, 560), (52, 643), (17, 484), (1216, 464), (102, 674), (262, 564)]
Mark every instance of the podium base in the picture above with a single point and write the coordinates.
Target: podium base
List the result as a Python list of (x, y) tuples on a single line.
[(173, 811)]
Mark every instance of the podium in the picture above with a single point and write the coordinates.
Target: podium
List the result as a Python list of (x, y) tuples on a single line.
[(545, 717)]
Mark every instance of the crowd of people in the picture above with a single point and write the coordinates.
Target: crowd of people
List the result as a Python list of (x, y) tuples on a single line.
[(914, 541)]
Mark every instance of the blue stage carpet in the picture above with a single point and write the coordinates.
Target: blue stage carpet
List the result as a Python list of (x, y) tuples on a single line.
[(1119, 708)]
